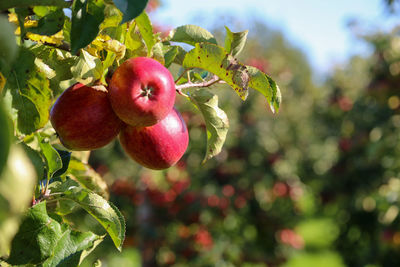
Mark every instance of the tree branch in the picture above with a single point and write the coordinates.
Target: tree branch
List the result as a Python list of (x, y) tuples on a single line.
[(24, 3), (208, 83)]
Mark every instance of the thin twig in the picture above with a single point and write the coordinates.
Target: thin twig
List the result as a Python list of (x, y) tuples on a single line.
[(208, 83), (180, 76), (63, 46)]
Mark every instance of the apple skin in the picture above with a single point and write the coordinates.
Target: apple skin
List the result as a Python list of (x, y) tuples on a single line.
[(83, 118), (158, 146), (142, 91)]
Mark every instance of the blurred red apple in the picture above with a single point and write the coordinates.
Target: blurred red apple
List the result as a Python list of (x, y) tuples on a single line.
[(83, 118), (159, 146), (142, 91)]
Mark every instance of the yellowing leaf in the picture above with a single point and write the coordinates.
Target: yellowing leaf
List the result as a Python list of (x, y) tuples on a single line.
[(12, 17), (104, 42), (2, 82), (54, 39)]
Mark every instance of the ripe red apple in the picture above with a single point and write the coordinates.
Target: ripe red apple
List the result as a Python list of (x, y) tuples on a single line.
[(84, 119), (142, 91), (158, 146)]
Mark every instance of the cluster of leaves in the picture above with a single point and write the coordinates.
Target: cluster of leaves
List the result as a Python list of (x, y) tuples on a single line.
[(317, 187), (47, 46)]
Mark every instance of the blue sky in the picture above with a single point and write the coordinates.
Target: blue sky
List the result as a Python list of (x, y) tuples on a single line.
[(318, 27)]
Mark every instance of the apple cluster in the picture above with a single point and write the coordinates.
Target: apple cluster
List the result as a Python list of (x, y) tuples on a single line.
[(138, 106)]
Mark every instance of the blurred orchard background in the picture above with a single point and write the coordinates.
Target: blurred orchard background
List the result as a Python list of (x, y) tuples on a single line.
[(316, 185)]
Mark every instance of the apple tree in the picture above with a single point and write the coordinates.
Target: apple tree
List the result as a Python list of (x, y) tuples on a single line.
[(50, 48)]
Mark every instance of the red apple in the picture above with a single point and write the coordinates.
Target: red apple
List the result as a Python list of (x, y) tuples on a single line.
[(159, 146), (142, 91), (84, 119)]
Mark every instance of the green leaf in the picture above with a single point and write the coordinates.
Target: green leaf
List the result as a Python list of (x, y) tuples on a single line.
[(50, 24), (133, 40), (67, 30), (235, 41), (191, 34), (54, 63), (8, 44), (65, 158), (214, 59), (51, 156), (130, 8), (87, 68), (112, 17), (110, 58), (30, 93), (217, 123), (72, 248), (37, 237), (170, 55), (265, 85), (62, 206), (36, 159), (146, 30), (5, 136), (87, 15), (29, 3), (102, 210), (88, 177), (157, 53), (173, 54)]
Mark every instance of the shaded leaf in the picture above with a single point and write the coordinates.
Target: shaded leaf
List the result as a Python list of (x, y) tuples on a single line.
[(54, 63), (65, 159), (50, 23), (51, 156), (87, 68), (5, 136), (217, 123), (28, 3), (235, 41), (87, 15), (130, 8), (36, 238), (30, 93), (8, 44), (191, 34), (36, 159)]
